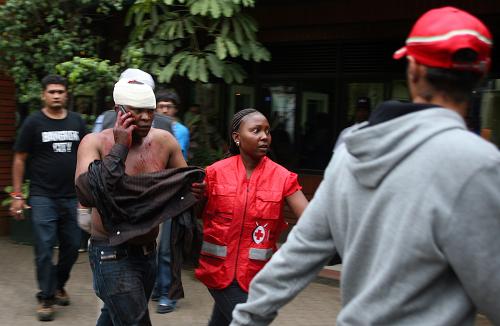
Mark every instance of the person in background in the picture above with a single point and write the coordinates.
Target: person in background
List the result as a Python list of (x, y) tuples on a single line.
[(167, 103), (242, 217), (411, 202), (192, 117), (46, 146), (193, 121), (362, 112)]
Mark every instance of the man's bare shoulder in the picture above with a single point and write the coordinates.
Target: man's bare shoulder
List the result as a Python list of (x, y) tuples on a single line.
[(161, 135), (99, 141), (95, 137)]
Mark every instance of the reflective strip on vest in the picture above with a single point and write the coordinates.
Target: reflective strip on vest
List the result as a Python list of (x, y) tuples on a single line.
[(260, 254), (213, 249)]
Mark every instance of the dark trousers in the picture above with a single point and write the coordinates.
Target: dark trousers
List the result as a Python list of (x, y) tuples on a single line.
[(124, 277), (164, 277), (54, 221), (225, 301)]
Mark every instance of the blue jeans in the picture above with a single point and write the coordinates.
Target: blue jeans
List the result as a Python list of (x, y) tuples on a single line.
[(225, 301), (54, 222), (164, 277), (124, 276)]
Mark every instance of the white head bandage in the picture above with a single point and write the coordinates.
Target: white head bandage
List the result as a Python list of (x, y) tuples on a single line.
[(139, 75), (134, 93)]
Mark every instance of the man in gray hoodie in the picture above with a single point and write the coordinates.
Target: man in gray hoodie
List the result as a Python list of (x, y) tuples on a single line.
[(411, 201)]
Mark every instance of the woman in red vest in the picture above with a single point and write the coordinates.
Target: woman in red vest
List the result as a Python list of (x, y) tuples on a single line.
[(242, 218)]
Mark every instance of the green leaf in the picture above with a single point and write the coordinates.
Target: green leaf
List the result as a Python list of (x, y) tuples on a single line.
[(193, 69), (245, 51), (234, 72), (220, 48), (172, 26), (200, 7), (167, 72), (228, 9), (228, 75), (180, 29), (183, 66), (215, 65), (245, 3), (202, 70), (238, 34), (239, 74), (264, 54), (188, 24), (225, 28), (148, 47), (179, 57), (231, 46), (248, 25), (154, 16), (215, 8)]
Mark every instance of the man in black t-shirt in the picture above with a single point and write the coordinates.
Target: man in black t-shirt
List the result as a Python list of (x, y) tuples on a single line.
[(46, 147)]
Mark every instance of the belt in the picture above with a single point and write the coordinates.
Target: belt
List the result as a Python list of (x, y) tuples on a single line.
[(127, 248)]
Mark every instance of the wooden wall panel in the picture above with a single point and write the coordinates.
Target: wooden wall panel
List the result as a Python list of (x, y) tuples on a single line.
[(7, 136)]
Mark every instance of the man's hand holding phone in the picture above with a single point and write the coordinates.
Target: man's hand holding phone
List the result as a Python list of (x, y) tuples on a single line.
[(124, 127)]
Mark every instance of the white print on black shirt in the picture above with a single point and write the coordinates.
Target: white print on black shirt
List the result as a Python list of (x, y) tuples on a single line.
[(60, 136), (62, 147)]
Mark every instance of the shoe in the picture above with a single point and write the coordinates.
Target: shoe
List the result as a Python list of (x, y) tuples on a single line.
[(155, 296), (62, 298), (165, 305), (45, 311)]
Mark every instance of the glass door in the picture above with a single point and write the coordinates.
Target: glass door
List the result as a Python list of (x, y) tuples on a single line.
[(242, 97)]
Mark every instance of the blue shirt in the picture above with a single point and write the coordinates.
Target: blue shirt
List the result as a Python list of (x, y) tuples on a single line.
[(181, 133)]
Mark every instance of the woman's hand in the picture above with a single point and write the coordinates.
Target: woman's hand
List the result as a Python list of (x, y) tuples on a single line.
[(198, 189)]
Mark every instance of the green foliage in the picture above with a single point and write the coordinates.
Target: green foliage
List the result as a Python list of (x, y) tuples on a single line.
[(193, 38), (24, 189), (206, 146), (203, 157), (88, 75), (35, 37)]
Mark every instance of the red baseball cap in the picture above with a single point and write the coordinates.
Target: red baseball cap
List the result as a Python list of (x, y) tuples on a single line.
[(440, 33)]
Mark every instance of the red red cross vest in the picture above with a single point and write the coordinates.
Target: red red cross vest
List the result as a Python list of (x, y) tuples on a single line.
[(242, 220)]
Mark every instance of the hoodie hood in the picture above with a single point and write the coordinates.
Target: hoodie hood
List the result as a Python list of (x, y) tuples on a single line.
[(375, 150)]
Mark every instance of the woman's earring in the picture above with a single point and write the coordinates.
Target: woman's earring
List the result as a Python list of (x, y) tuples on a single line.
[(238, 143)]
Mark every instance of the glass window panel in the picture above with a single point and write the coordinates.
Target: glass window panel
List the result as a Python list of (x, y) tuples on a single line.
[(242, 97), (399, 90), (374, 91), (279, 104), (316, 131), (490, 113)]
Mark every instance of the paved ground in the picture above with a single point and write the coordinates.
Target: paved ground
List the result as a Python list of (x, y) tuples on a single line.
[(317, 305)]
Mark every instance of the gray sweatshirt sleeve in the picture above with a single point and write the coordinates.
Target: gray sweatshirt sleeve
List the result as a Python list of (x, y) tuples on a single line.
[(293, 266), (471, 240)]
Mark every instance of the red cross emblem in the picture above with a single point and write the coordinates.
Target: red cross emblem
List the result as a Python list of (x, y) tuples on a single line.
[(259, 234)]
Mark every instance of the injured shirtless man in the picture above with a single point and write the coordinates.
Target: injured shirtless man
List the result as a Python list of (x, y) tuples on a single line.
[(125, 174)]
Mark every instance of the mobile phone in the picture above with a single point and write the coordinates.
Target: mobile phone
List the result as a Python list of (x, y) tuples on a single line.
[(122, 108)]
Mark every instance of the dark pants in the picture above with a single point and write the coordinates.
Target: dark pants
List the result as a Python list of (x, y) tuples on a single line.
[(54, 222), (124, 276), (164, 264), (225, 301)]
